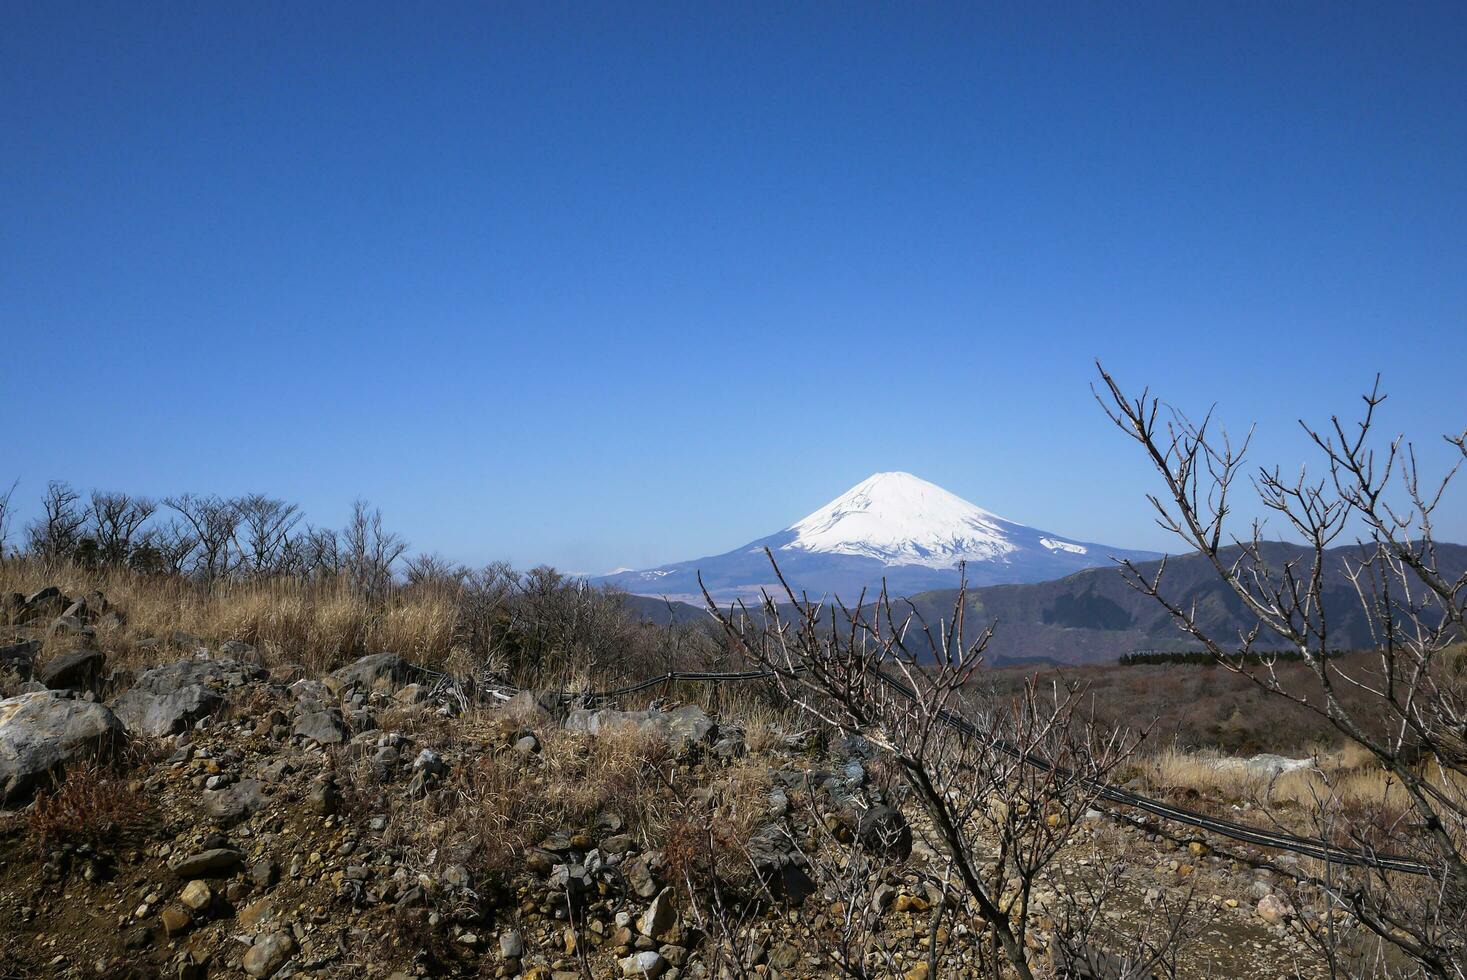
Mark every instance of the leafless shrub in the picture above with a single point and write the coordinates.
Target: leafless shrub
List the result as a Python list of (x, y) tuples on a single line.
[(1415, 727), (1004, 783)]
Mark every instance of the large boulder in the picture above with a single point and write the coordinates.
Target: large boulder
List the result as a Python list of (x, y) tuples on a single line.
[(40, 733), (680, 727), (169, 698), (79, 670), (378, 672)]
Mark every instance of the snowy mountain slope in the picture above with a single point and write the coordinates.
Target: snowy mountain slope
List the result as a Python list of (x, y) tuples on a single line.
[(891, 526)]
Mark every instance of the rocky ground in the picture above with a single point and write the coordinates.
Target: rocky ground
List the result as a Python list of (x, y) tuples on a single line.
[(218, 817)]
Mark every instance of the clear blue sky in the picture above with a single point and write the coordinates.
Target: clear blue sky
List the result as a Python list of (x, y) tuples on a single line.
[(615, 284)]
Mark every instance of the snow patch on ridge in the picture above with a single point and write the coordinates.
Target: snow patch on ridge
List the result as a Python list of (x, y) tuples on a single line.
[(1055, 545)]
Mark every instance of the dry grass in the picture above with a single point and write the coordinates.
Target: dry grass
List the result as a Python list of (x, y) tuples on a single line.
[(318, 624), (1348, 775)]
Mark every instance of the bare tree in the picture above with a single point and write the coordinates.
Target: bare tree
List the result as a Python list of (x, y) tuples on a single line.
[(368, 552), (434, 571), (164, 549), (116, 519), (58, 532), (214, 521), (1004, 783), (265, 524), (1407, 706), (5, 514)]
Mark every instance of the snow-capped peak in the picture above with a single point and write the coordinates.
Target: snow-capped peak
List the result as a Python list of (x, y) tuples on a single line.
[(903, 520)]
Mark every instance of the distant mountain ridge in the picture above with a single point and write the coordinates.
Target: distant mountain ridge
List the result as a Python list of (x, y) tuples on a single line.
[(893, 527), (1093, 616)]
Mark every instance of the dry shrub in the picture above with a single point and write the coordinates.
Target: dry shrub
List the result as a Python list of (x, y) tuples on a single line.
[(703, 842), (91, 805)]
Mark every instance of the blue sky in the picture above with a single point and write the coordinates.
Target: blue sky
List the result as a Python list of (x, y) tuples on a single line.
[(604, 285)]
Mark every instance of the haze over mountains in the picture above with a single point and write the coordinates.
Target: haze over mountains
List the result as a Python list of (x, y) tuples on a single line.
[(891, 526)]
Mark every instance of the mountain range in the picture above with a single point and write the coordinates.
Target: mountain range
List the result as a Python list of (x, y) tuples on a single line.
[(891, 527), (1094, 616)]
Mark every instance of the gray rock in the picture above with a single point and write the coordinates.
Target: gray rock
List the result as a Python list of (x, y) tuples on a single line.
[(640, 878), (205, 864), (324, 798), (379, 671), (648, 963), (40, 732), (325, 726), (232, 804), (680, 727), (268, 954), (659, 917), (79, 670), (883, 830), (172, 697), (511, 944)]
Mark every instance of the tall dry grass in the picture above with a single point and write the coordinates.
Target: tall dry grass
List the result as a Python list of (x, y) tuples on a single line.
[(1348, 776), (320, 624)]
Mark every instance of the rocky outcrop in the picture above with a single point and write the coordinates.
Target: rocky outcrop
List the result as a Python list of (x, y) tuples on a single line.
[(168, 699), (681, 727), (377, 672), (41, 732), (79, 670)]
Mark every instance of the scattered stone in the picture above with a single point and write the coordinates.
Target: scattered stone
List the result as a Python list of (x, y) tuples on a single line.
[(210, 863), (659, 917), (268, 954), (645, 964), (196, 895), (175, 920)]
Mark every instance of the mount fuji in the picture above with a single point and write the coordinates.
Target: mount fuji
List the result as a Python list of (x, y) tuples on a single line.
[(891, 526)]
